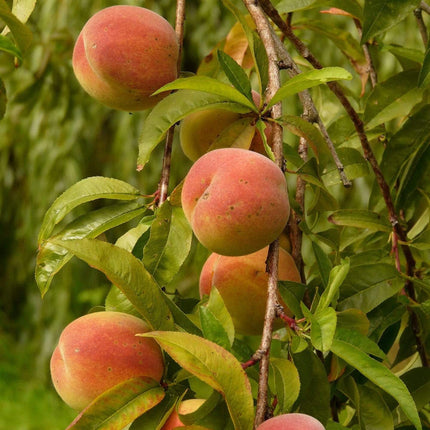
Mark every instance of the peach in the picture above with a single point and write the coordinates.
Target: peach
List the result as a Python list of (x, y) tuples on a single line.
[(200, 130), (125, 53), (242, 283), (100, 350), (235, 200), (293, 421), (185, 407)]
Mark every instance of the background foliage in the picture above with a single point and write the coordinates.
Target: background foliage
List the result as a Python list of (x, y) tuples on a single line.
[(53, 135)]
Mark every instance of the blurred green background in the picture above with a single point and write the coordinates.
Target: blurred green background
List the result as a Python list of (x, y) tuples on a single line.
[(53, 134)]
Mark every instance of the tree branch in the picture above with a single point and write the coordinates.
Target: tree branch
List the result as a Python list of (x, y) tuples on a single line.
[(421, 25), (163, 185), (425, 7), (370, 157)]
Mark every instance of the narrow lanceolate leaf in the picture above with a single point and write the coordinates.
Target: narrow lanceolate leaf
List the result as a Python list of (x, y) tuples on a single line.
[(177, 106), (235, 74), (323, 327), (380, 15), (392, 98), (121, 405), (336, 278), (307, 80), (360, 219), (379, 375), (126, 272), (423, 78), (20, 32), (84, 191), (286, 383), (168, 245), (210, 86), (6, 45), (51, 258), (22, 9), (214, 366)]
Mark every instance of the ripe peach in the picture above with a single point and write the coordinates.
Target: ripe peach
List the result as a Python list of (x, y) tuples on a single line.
[(199, 130), (98, 351), (186, 407), (242, 283), (123, 54), (235, 200), (294, 421)]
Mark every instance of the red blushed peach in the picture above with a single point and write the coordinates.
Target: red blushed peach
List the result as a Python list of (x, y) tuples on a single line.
[(125, 53), (200, 130), (186, 407), (294, 421), (100, 350), (242, 283), (235, 200)]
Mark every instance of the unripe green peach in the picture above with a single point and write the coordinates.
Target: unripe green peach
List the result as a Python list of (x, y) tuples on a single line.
[(200, 130), (242, 283), (185, 407), (100, 350), (293, 421), (235, 200), (125, 53)]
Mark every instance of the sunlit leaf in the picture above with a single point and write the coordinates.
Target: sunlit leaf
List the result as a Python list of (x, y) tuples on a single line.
[(379, 375), (215, 366), (169, 243), (360, 218), (177, 106), (307, 80), (86, 190), (128, 274), (119, 406)]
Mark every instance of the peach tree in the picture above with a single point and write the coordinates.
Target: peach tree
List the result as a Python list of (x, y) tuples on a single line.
[(287, 272)]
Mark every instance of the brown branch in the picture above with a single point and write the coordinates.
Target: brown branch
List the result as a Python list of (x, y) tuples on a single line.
[(163, 185), (421, 25), (370, 157), (274, 82), (425, 7)]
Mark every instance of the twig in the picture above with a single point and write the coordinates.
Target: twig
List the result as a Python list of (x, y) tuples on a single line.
[(274, 82), (167, 156), (425, 7), (421, 25), (370, 157), (370, 68)]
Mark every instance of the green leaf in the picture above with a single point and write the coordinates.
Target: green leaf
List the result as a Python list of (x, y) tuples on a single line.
[(215, 366), (22, 9), (175, 107), (211, 86), (6, 45), (119, 406), (84, 191), (212, 328), (169, 243), (292, 293), (128, 274), (303, 128), (181, 318), (381, 15), (411, 137), (239, 134), (350, 6), (286, 383), (307, 80), (51, 258), (20, 32), (314, 397), (219, 314), (323, 327), (324, 263), (360, 218), (355, 166), (235, 74), (379, 375), (368, 285), (336, 278), (392, 98), (423, 78)]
